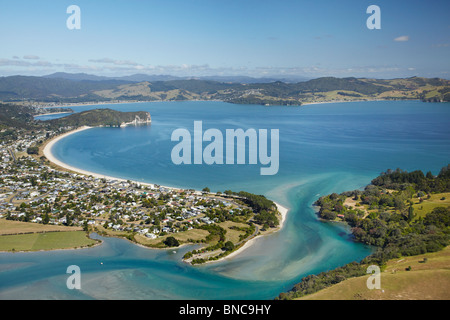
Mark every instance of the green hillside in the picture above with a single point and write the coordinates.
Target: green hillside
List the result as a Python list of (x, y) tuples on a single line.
[(422, 277), (326, 89), (15, 117), (99, 117)]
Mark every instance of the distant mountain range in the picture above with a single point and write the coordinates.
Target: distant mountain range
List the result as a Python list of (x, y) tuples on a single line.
[(79, 88), (148, 77)]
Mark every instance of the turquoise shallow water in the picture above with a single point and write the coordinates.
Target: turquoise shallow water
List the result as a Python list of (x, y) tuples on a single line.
[(323, 149)]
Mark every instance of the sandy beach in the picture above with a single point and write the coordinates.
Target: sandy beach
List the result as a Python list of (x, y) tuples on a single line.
[(48, 154), (47, 151), (283, 211)]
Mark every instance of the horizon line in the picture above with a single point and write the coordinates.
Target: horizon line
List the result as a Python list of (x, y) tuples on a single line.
[(195, 77)]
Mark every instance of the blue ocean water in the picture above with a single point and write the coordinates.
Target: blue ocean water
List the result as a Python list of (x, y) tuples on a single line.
[(324, 148)]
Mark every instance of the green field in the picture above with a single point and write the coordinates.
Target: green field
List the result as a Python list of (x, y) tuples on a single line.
[(45, 241), (10, 227), (421, 209), (426, 280)]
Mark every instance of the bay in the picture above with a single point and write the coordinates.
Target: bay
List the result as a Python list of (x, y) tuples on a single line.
[(324, 148)]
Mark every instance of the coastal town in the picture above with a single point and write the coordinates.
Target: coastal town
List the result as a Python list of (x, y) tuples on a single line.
[(36, 191)]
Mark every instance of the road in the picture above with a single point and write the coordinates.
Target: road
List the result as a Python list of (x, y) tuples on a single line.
[(13, 156)]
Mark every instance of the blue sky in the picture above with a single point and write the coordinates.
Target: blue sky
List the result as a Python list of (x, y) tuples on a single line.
[(261, 38)]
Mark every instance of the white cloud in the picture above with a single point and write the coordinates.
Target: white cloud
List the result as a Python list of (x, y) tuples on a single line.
[(110, 67), (31, 57), (402, 39), (15, 62), (115, 62), (441, 45)]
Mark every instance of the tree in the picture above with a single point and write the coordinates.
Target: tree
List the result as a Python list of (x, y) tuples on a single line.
[(411, 214), (328, 214), (265, 217), (228, 246), (171, 242), (46, 219), (33, 150), (206, 189), (399, 204), (440, 217)]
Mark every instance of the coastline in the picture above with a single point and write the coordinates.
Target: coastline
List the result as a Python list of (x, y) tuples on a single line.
[(97, 243), (81, 104), (50, 114), (47, 151), (340, 101), (283, 212)]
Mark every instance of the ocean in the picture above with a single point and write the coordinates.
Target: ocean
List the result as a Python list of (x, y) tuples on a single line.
[(323, 148)]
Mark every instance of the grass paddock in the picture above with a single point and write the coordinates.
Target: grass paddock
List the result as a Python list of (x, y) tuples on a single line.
[(45, 241)]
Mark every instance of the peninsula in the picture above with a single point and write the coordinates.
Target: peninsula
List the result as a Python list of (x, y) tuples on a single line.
[(40, 194), (103, 118), (402, 215)]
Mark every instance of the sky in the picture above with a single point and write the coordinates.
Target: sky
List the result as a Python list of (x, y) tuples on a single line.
[(257, 38)]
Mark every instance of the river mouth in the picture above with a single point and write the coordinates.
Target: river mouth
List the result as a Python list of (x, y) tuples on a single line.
[(323, 149)]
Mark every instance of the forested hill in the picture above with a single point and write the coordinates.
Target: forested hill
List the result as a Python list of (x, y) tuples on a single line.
[(102, 117), (326, 89), (399, 179), (15, 117)]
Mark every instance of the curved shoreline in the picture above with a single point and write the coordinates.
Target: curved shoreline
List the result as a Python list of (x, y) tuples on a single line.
[(283, 212), (47, 151), (51, 114)]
